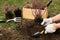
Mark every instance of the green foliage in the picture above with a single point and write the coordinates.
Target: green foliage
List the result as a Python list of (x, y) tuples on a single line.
[(11, 24), (10, 1)]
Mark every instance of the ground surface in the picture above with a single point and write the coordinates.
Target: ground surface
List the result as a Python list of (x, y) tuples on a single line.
[(15, 31), (25, 31)]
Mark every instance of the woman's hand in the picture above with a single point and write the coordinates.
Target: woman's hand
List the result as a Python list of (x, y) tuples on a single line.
[(50, 28), (46, 21)]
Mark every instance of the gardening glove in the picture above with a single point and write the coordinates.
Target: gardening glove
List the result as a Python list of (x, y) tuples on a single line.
[(50, 28), (46, 21)]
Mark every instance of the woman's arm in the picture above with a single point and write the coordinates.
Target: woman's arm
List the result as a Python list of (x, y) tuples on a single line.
[(57, 25), (56, 18), (51, 20)]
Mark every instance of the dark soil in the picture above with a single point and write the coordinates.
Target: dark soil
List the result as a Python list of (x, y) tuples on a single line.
[(25, 30)]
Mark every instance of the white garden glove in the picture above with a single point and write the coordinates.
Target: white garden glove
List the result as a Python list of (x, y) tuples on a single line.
[(50, 28), (46, 21)]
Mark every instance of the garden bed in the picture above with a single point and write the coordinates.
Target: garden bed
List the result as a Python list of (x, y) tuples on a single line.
[(24, 32)]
